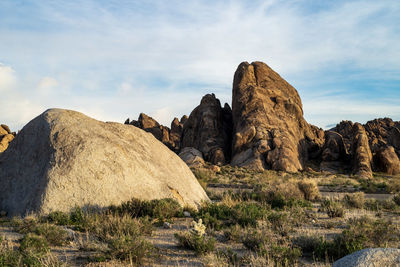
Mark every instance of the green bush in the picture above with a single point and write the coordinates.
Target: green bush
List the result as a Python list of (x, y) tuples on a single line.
[(34, 245), (307, 243), (247, 214), (59, 218), (332, 208), (280, 255), (280, 222), (310, 189), (217, 216), (53, 234), (131, 248), (354, 200), (159, 208), (200, 244), (361, 233), (396, 199)]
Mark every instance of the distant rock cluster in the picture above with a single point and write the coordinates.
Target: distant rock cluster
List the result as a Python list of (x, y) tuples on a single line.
[(265, 129), (6, 136)]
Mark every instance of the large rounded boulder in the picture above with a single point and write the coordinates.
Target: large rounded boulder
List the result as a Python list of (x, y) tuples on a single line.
[(62, 159)]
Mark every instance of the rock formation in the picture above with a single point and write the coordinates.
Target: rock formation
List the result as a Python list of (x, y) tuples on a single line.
[(209, 129), (6, 136), (269, 129), (382, 133), (265, 129), (347, 148), (192, 157), (169, 137), (62, 159), (387, 161)]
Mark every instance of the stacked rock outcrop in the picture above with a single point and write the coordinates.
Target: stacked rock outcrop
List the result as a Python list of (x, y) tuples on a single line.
[(265, 129), (209, 130), (169, 137), (269, 129), (6, 136)]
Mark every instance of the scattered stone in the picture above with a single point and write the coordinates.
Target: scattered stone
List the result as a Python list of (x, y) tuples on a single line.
[(192, 157), (167, 225), (215, 168), (370, 257), (62, 159), (186, 214)]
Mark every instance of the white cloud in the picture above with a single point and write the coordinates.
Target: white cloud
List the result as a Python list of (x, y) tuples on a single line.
[(7, 78), (117, 59), (46, 85)]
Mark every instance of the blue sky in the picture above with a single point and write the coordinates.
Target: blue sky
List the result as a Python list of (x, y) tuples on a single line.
[(115, 59)]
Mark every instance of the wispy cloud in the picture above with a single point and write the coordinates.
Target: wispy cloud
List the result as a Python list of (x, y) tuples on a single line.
[(114, 59)]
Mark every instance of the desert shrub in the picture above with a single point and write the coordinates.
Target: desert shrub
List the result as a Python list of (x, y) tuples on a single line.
[(195, 239), (234, 232), (281, 255), (373, 186), (24, 226), (280, 222), (123, 236), (200, 244), (394, 185), (54, 235), (77, 216), (131, 248), (217, 216), (375, 233), (247, 214), (158, 208), (361, 233), (34, 245), (307, 243), (230, 257), (355, 200), (380, 205), (277, 250), (396, 199), (310, 189), (332, 208), (276, 197), (59, 218), (108, 225)]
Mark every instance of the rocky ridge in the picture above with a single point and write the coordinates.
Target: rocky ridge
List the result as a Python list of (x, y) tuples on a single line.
[(265, 129)]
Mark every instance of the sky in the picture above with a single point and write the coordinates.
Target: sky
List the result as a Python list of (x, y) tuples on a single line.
[(114, 59)]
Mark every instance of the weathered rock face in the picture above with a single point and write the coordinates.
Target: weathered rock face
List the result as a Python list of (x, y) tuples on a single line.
[(370, 257), (6, 136), (169, 137), (209, 129), (192, 157), (347, 149), (382, 133), (63, 159), (269, 129), (387, 161), (362, 153)]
